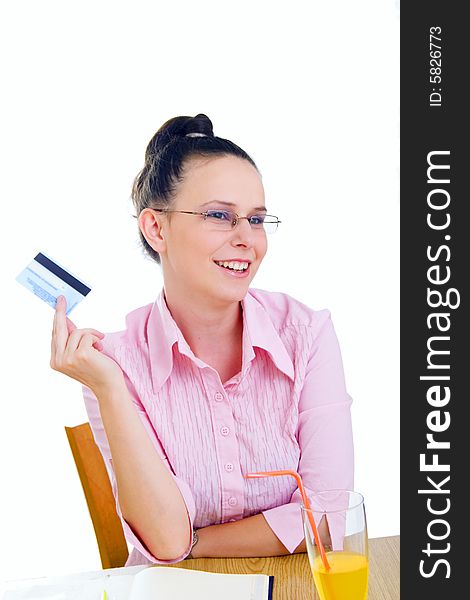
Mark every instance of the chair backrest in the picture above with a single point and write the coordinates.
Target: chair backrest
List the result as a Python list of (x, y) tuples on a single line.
[(99, 496)]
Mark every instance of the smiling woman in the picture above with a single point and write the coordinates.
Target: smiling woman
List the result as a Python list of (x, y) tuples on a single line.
[(191, 246), (215, 378)]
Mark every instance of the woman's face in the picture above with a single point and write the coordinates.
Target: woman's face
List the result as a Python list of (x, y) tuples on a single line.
[(192, 247)]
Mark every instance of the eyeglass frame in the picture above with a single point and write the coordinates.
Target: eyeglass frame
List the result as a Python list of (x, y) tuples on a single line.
[(205, 215)]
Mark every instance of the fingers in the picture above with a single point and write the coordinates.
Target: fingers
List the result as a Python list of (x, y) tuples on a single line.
[(66, 337), (72, 327), (95, 332), (77, 351), (76, 336), (88, 340), (98, 345), (59, 327)]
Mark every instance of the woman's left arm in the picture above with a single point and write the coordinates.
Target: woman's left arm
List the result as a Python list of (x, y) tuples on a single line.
[(247, 537), (327, 460)]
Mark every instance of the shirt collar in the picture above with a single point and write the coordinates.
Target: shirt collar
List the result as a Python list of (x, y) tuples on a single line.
[(258, 331), (162, 334), (263, 334)]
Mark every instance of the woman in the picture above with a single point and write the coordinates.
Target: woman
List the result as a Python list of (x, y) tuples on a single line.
[(214, 379)]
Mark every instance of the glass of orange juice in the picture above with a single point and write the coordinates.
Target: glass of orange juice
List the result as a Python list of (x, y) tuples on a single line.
[(340, 519)]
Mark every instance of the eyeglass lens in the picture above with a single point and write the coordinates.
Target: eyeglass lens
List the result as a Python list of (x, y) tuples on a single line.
[(225, 219)]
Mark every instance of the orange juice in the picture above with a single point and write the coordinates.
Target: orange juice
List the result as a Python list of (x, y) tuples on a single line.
[(346, 579)]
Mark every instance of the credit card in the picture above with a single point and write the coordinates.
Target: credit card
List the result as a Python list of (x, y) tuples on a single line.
[(48, 280)]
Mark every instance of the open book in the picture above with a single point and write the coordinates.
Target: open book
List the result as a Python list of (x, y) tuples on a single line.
[(166, 583), (144, 583)]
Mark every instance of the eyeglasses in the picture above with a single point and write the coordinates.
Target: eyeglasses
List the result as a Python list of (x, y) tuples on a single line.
[(226, 220)]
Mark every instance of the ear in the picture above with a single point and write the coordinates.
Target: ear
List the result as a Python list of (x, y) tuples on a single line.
[(150, 224)]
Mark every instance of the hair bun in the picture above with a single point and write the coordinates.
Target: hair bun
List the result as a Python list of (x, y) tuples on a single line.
[(198, 125), (177, 128)]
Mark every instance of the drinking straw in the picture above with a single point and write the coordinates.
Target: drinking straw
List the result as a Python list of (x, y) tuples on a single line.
[(307, 505)]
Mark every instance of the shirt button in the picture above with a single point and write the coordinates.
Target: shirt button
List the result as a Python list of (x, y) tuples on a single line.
[(224, 430), (232, 501), (229, 467), (219, 397)]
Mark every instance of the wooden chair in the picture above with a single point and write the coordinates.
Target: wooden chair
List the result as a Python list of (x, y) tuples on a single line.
[(99, 496)]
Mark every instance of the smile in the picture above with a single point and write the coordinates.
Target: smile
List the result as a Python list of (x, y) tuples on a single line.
[(234, 265), (237, 269)]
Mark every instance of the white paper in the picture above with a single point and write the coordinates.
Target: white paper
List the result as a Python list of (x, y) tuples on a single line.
[(142, 583), (163, 583)]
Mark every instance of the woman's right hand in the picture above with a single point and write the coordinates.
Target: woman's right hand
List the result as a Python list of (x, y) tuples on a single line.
[(77, 353)]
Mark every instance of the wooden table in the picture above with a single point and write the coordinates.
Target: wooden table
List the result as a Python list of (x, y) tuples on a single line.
[(292, 576)]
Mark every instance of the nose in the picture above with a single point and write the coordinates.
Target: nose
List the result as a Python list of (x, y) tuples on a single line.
[(243, 233)]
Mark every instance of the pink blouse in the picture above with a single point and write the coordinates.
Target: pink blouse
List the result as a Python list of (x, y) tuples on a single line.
[(286, 409)]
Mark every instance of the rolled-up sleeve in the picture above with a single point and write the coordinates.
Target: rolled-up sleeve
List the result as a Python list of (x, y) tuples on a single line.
[(324, 434), (99, 434)]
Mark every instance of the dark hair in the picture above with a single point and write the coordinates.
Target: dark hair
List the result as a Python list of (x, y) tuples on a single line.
[(165, 158)]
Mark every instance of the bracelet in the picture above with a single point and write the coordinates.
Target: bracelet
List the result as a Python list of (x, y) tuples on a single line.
[(195, 541)]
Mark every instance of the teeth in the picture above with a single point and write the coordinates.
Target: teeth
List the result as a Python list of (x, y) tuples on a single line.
[(235, 265)]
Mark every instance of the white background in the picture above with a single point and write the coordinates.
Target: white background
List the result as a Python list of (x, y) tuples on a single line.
[(310, 89)]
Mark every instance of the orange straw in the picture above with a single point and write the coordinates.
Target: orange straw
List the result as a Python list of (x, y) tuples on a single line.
[(307, 505)]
